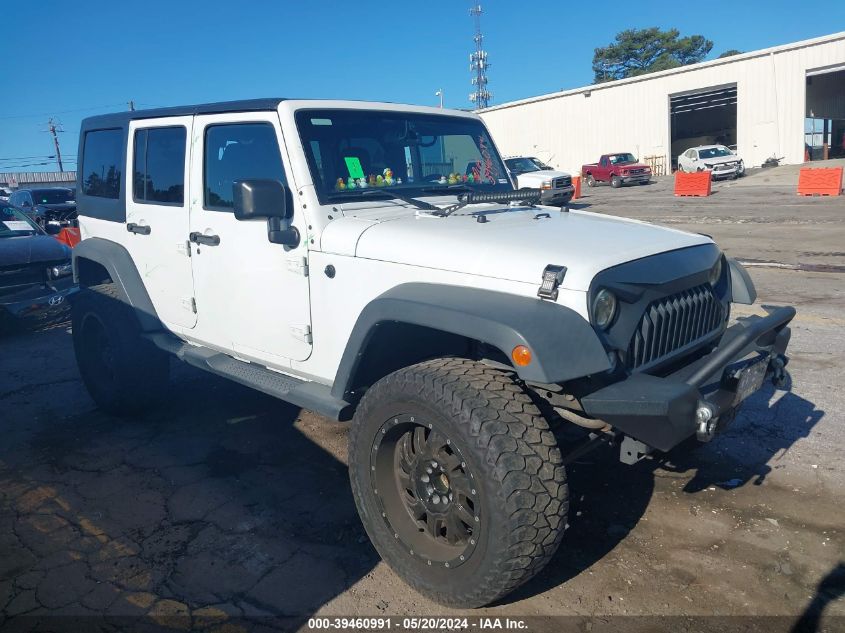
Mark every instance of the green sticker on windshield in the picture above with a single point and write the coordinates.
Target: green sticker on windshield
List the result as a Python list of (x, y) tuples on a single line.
[(353, 164)]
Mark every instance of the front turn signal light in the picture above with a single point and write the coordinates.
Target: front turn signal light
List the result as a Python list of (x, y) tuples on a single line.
[(521, 356)]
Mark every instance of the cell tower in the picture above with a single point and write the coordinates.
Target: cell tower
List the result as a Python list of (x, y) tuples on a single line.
[(478, 64)]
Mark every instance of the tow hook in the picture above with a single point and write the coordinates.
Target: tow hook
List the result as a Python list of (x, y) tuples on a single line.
[(780, 377), (706, 422)]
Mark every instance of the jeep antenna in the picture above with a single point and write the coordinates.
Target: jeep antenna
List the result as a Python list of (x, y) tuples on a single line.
[(478, 64), (54, 126)]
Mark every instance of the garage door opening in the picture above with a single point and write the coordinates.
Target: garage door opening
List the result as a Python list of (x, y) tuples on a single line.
[(824, 127), (703, 117)]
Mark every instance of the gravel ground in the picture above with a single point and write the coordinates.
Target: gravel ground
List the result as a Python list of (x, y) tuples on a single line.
[(228, 504)]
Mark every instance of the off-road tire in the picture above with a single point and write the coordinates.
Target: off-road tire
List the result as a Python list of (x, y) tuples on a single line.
[(493, 425), (615, 182), (135, 374)]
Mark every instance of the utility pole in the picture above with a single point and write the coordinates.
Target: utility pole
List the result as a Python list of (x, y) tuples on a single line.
[(132, 105), (478, 64), (439, 93), (53, 127)]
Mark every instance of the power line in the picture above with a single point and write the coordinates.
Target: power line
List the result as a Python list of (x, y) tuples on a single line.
[(43, 114)]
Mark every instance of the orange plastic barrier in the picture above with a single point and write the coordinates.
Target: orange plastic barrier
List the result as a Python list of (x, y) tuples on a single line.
[(70, 236), (576, 182), (823, 181), (695, 184)]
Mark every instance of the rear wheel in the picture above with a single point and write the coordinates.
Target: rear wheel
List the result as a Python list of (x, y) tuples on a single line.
[(458, 480), (615, 182), (124, 373), (591, 182)]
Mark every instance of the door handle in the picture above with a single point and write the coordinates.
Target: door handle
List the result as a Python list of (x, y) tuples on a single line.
[(139, 229), (206, 240)]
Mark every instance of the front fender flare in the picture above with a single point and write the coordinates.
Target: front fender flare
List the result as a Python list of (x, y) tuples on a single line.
[(563, 344), (742, 288)]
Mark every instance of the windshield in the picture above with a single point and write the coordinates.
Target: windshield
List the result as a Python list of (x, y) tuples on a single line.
[(525, 164), (409, 153), (714, 152), (52, 196), (621, 159), (13, 223)]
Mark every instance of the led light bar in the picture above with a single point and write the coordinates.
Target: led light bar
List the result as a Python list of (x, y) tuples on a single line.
[(520, 195)]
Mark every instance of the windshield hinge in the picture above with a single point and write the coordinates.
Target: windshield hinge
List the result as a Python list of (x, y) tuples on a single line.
[(298, 265), (301, 333)]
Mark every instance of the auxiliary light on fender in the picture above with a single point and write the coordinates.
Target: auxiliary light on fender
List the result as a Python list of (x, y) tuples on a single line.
[(521, 355)]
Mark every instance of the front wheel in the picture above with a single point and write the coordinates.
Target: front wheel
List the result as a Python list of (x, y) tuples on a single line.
[(458, 480), (616, 182), (124, 373)]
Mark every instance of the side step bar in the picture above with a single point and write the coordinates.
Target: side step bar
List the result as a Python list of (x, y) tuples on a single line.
[(307, 395)]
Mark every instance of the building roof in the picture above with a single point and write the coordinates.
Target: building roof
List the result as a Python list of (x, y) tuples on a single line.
[(23, 178), (244, 105), (673, 71)]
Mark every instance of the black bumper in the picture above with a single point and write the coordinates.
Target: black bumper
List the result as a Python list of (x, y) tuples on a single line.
[(37, 303), (557, 196), (661, 411)]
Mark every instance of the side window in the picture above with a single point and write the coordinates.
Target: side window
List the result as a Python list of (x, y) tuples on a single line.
[(159, 165), (238, 151), (101, 160), (603, 161)]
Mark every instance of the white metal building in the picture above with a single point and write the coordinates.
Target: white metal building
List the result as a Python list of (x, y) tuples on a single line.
[(768, 102), (32, 179)]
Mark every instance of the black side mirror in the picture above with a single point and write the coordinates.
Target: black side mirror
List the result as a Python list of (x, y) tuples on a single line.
[(266, 199)]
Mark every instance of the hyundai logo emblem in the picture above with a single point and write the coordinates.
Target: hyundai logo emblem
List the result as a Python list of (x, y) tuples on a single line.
[(56, 300)]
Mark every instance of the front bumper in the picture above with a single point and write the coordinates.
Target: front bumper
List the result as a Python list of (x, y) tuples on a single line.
[(561, 195), (637, 178), (724, 173), (662, 411), (39, 303)]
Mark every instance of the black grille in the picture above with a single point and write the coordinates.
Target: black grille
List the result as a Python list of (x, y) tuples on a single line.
[(565, 181), (674, 322), (23, 275)]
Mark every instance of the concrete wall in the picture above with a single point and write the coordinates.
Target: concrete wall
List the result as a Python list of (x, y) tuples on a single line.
[(575, 127)]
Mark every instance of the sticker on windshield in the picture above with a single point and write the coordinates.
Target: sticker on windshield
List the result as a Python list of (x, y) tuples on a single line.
[(17, 225), (353, 164), (321, 121)]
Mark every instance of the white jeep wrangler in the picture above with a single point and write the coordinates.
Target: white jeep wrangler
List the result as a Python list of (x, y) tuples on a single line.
[(337, 255)]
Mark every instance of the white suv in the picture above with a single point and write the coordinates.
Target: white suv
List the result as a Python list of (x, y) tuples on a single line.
[(336, 255)]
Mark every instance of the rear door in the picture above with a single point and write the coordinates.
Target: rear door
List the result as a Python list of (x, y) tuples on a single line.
[(157, 214), (252, 295)]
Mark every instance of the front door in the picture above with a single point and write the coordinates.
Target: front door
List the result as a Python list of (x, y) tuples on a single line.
[(252, 296), (157, 215)]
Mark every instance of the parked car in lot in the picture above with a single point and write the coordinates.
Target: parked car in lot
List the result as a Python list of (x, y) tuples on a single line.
[(717, 159), (46, 204), (4, 194), (618, 169), (531, 172), (35, 270), (292, 246)]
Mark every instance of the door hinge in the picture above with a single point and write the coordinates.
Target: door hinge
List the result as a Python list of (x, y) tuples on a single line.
[(298, 265), (189, 303), (301, 333), (184, 248)]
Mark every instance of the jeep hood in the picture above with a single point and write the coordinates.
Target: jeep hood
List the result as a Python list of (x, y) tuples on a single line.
[(514, 244)]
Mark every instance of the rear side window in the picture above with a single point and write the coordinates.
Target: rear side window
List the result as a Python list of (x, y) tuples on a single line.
[(101, 170), (238, 151), (159, 165)]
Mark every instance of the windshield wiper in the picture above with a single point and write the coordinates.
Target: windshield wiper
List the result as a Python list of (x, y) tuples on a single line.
[(449, 189), (419, 204)]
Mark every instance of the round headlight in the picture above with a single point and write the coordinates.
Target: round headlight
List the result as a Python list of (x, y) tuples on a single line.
[(604, 308), (716, 272)]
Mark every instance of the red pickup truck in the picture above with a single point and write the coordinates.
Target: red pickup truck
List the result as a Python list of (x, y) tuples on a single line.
[(618, 169)]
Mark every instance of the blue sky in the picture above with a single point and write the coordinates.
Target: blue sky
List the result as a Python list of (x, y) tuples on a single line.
[(70, 59)]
